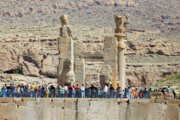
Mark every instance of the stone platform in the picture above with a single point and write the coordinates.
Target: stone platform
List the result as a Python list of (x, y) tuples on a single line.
[(88, 109)]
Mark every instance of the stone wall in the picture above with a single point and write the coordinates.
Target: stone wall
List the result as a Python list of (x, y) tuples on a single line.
[(88, 109)]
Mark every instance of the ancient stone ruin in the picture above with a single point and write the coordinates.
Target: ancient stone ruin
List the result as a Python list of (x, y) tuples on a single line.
[(71, 68), (66, 54)]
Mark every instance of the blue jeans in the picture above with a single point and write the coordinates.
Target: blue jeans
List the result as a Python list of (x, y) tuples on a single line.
[(77, 94), (83, 94), (5, 94), (32, 93), (105, 94), (111, 94)]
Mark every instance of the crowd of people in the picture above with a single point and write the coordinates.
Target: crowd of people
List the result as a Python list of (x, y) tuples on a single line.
[(76, 91)]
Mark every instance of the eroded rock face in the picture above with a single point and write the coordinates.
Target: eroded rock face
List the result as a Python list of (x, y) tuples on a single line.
[(27, 59), (147, 74)]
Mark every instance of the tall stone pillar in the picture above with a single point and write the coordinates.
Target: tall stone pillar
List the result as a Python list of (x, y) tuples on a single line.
[(110, 57), (120, 34), (65, 70)]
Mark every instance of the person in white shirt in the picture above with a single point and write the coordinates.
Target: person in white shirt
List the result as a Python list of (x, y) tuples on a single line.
[(105, 91), (66, 90), (82, 91)]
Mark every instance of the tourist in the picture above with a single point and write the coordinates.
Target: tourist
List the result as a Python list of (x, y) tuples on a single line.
[(70, 91), (2, 91), (66, 91), (163, 90), (74, 91), (82, 91), (136, 93), (132, 94), (39, 91), (47, 92), (92, 91), (35, 92), (168, 90), (21, 90), (128, 92), (29, 90), (26, 91), (140, 94), (105, 91), (174, 94), (8, 90), (111, 91), (100, 93), (77, 88), (115, 93), (18, 91), (86, 91), (32, 88), (149, 93), (57, 91), (95, 92), (144, 93), (62, 92), (13, 90), (52, 91), (43, 91), (125, 93), (119, 91), (5, 90)]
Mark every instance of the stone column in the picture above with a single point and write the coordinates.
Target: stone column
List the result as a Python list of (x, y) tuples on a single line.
[(65, 70), (120, 34)]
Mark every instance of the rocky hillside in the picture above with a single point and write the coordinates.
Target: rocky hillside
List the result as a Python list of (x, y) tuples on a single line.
[(29, 29)]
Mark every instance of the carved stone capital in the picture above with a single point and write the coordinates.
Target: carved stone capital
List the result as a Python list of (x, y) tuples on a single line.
[(65, 30), (121, 44), (64, 19)]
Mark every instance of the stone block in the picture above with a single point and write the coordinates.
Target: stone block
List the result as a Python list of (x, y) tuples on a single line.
[(161, 101), (152, 100), (83, 106), (9, 111), (135, 111), (6, 100), (65, 47), (168, 96), (70, 109), (173, 111), (80, 71), (173, 102), (156, 112), (138, 100), (156, 94)]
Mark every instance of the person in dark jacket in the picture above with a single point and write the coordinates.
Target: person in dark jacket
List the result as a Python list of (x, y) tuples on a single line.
[(174, 93), (111, 91)]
